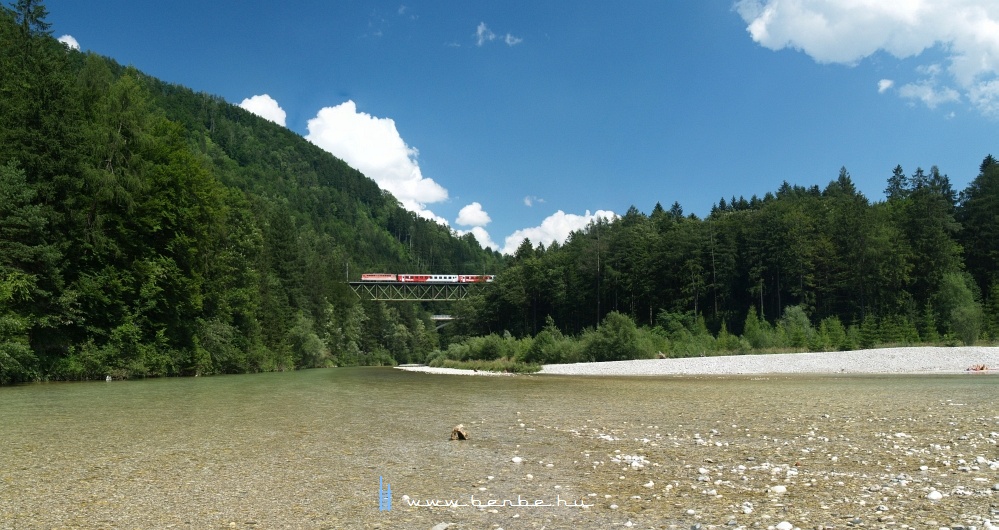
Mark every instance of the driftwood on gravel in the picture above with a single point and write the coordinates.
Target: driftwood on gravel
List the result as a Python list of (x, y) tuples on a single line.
[(459, 432)]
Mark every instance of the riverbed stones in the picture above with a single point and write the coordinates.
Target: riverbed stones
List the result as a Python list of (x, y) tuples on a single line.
[(285, 472)]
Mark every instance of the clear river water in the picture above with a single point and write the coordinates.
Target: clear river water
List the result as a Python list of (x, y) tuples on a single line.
[(370, 448)]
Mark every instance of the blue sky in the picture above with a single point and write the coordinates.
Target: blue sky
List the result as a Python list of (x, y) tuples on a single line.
[(524, 118)]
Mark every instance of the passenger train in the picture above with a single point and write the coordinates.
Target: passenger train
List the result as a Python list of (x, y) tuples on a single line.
[(427, 278)]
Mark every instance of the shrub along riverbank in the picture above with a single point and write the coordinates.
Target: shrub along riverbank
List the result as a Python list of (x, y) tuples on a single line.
[(681, 335)]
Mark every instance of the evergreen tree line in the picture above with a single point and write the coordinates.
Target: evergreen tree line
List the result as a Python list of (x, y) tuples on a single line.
[(802, 268), (148, 230)]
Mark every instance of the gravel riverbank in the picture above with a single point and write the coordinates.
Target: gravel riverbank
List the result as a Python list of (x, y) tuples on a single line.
[(907, 360), (790, 441), (447, 371)]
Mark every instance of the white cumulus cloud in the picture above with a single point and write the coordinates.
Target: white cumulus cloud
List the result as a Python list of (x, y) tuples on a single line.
[(884, 85), (266, 107), (847, 31), (473, 215), (373, 146), (70, 41), (481, 235), (985, 96), (555, 227)]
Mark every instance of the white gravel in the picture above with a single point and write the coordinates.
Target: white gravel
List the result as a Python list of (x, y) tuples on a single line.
[(879, 361), (448, 371), (908, 360)]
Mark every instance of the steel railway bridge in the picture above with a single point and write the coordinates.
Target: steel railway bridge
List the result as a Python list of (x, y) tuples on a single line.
[(412, 291)]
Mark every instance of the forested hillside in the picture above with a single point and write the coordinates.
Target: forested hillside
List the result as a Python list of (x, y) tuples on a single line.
[(921, 266), (149, 230)]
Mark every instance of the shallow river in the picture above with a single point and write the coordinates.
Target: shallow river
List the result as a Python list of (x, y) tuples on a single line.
[(307, 450)]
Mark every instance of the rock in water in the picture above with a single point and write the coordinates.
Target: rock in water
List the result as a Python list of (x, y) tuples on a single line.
[(459, 432)]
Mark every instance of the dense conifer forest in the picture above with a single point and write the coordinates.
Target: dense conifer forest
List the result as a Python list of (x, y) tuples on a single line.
[(150, 230), (800, 269), (830, 250)]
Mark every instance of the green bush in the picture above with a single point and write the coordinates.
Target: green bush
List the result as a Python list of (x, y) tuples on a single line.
[(966, 323), (897, 329), (498, 365), (956, 302), (794, 328), (727, 343), (831, 335), (306, 347), (380, 357), (758, 332), (869, 335), (615, 340), (550, 346), (928, 330), (219, 340), (488, 348), (678, 335)]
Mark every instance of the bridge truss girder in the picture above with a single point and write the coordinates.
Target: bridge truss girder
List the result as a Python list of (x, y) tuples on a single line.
[(410, 292)]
